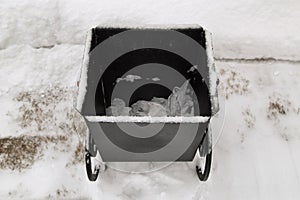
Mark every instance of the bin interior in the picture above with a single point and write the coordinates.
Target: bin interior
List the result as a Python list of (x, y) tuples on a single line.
[(151, 63)]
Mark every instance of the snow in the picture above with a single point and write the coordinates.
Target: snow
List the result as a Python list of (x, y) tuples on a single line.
[(148, 26), (39, 66), (147, 119), (256, 134), (83, 72), (25, 69), (129, 78), (256, 24), (250, 161), (155, 79), (193, 68), (17, 27), (213, 79)]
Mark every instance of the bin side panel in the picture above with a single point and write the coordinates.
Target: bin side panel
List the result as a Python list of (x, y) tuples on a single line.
[(157, 142)]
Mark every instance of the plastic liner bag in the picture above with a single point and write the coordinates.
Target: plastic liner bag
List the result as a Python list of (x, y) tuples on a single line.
[(179, 102)]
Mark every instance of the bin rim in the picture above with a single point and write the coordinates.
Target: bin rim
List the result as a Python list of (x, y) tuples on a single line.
[(148, 119)]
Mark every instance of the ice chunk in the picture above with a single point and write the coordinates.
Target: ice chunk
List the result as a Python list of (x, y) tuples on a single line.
[(179, 103), (118, 108), (193, 68), (118, 102), (161, 101), (148, 108), (155, 79), (276, 73), (129, 78)]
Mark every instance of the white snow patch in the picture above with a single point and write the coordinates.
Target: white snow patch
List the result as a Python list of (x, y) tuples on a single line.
[(225, 19), (249, 163), (84, 71), (213, 79), (276, 73), (147, 26), (244, 159), (129, 78), (193, 68), (27, 22), (155, 79)]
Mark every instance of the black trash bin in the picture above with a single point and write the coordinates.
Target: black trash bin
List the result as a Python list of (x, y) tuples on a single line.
[(156, 59)]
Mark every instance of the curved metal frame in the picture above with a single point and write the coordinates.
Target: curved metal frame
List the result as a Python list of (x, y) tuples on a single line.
[(205, 145), (203, 175), (92, 174)]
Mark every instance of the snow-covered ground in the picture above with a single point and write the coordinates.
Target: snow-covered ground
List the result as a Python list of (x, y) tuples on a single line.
[(241, 28), (257, 50)]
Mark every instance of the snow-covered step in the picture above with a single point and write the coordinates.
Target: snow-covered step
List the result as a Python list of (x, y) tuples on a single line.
[(241, 29)]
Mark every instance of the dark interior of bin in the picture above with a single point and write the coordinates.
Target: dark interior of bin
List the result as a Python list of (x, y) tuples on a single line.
[(138, 57)]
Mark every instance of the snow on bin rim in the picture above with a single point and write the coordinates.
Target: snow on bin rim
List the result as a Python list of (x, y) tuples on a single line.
[(147, 119), (150, 26)]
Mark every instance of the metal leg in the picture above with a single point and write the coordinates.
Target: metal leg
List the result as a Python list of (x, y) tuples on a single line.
[(92, 172), (205, 152), (204, 174), (91, 146)]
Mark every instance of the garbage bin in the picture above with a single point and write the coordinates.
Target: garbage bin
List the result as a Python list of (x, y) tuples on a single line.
[(139, 63)]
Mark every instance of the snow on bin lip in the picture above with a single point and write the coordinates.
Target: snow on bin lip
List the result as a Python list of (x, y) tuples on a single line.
[(148, 26), (147, 119)]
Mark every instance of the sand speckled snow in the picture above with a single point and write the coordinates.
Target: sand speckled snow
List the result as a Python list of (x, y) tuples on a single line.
[(241, 29), (255, 136), (256, 144)]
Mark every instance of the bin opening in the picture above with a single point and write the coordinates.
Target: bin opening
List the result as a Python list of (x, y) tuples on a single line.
[(147, 72)]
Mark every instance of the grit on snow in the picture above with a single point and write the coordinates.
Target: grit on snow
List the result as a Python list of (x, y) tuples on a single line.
[(256, 135)]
